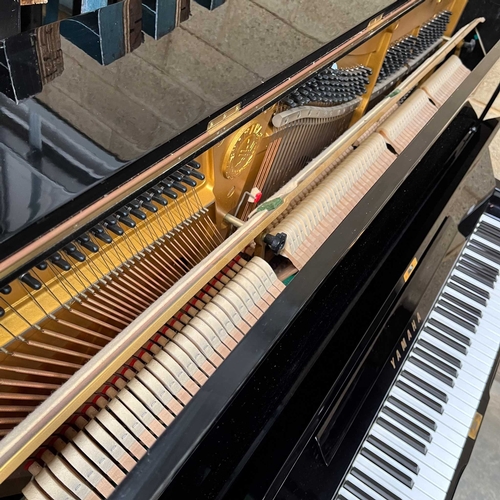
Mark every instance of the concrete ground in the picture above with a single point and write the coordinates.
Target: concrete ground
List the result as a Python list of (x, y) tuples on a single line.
[(480, 480)]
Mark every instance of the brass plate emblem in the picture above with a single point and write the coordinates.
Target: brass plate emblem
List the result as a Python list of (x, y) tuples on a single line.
[(475, 426), (411, 268), (241, 151)]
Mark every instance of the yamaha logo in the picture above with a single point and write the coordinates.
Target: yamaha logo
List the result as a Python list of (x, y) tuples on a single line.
[(406, 340)]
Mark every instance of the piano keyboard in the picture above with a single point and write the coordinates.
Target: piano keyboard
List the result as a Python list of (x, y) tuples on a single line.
[(95, 449), (415, 443)]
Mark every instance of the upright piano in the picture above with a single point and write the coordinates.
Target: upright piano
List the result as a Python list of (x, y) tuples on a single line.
[(248, 250)]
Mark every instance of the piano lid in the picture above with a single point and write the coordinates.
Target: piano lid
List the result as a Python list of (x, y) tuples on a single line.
[(84, 97)]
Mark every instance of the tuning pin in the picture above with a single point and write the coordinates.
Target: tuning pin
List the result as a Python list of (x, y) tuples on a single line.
[(32, 282)]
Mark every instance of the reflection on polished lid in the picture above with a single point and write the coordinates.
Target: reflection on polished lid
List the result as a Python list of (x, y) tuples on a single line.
[(87, 95)]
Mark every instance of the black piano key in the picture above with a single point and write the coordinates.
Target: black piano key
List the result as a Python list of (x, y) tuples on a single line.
[(42, 266), (453, 317), (487, 235), (423, 419), (179, 187), (440, 353), (446, 340), (5, 290), (466, 316), (357, 492), (387, 467), (481, 249), (477, 271), (491, 271), (194, 164), (394, 454), (341, 497), (371, 483), (467, 293), (407, 424), (31, 281), (474, 275), (488, 232), (2, 312), (436, 362), (432, 371), (485, 225), (474, 311), (425, 386), (459, 337), (396, 431)]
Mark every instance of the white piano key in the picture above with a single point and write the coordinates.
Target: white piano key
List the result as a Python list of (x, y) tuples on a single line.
[(456, 397), (473, 376), (421, 480), (484, 343), (443, 430), (388, 481), (461, 382), (437, 439), (444, 421), (362, 486), (451, 409), (436, 458)]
